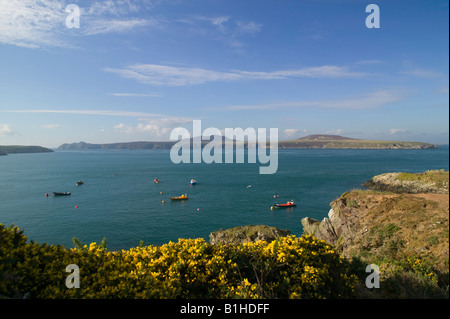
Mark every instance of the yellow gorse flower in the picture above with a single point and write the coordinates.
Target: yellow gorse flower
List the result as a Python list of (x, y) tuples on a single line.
[(289, 267)]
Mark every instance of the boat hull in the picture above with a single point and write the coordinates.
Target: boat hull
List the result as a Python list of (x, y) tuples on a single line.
[(285, 205)]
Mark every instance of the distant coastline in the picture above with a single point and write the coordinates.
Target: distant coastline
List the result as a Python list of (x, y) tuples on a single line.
[(321, 141), (18, 149)]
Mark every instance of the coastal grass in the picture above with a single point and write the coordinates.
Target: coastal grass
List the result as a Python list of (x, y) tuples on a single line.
[(440, 178), (407, 236)]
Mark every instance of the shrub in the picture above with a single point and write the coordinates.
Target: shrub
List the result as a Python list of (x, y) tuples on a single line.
[(290, 267)]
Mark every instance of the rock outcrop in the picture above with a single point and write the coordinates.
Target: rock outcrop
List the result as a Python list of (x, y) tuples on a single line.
[(245, 234), (428, 182), (369, 223)]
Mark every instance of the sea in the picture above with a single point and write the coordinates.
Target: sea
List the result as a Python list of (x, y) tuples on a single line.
[(119, 200)]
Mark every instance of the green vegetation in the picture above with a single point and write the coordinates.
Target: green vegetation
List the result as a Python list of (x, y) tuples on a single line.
[(407, 237), (289, 267), (339, 142), (439, 178), (18, 149)]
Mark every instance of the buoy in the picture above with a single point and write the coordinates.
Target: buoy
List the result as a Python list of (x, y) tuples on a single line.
[(76, 206), (163, 201), (198, 209), (46, 195), (161, 193), (271, 207)]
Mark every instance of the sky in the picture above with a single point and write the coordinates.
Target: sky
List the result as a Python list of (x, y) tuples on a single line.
[(134, 70)]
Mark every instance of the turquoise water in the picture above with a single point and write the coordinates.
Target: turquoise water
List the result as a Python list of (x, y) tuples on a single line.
[(120, 201)]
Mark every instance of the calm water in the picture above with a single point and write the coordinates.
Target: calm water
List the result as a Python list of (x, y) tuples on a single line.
[(119, 200)]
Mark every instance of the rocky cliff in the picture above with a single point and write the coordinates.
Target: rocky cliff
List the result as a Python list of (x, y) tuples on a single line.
[(428, 182), (410, 219)]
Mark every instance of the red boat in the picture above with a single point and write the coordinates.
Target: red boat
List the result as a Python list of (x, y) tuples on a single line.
[(288, 204)]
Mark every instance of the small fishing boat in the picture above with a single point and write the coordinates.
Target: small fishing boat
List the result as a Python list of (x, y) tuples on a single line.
[(193, 182), (79, 183), (287, 204), (182, 197), (61, 194)]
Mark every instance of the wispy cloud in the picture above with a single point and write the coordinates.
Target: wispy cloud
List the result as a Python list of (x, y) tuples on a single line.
[(6, 130), (31, 23), (290, 132), (117, 26), (51, 126), (90, 112), (424, 73), (41, 23), (224, 29), (335, 132), (163, 75), (136, 94), (154, 127), (394, 131), (369, 101)]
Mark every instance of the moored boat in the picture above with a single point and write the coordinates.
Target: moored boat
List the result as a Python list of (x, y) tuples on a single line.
[(287, 204), (62, 194), (156, 181), (79, 183), (182, 197), (193, 182)]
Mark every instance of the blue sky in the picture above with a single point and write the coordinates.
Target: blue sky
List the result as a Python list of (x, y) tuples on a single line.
[(135, 70)]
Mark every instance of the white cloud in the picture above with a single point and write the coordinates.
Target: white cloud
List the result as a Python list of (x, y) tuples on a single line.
[(162, 75), (117, 26), (224, 29), (248, 28), (153, 127), (51, 126), (5, 130), (394, 131), (412, 70), (335, 132), (42, 23), (90, 112), (124, 128), (136, 94), (290, 132), (369, 101), (423, 73), (31, 23)]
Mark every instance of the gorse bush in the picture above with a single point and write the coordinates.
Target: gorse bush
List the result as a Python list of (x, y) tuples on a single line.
[(290, 267)]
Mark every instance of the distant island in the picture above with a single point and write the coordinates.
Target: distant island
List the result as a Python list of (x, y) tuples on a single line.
[(318, 141), (341, 142), (19, 149), (118, 146)]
